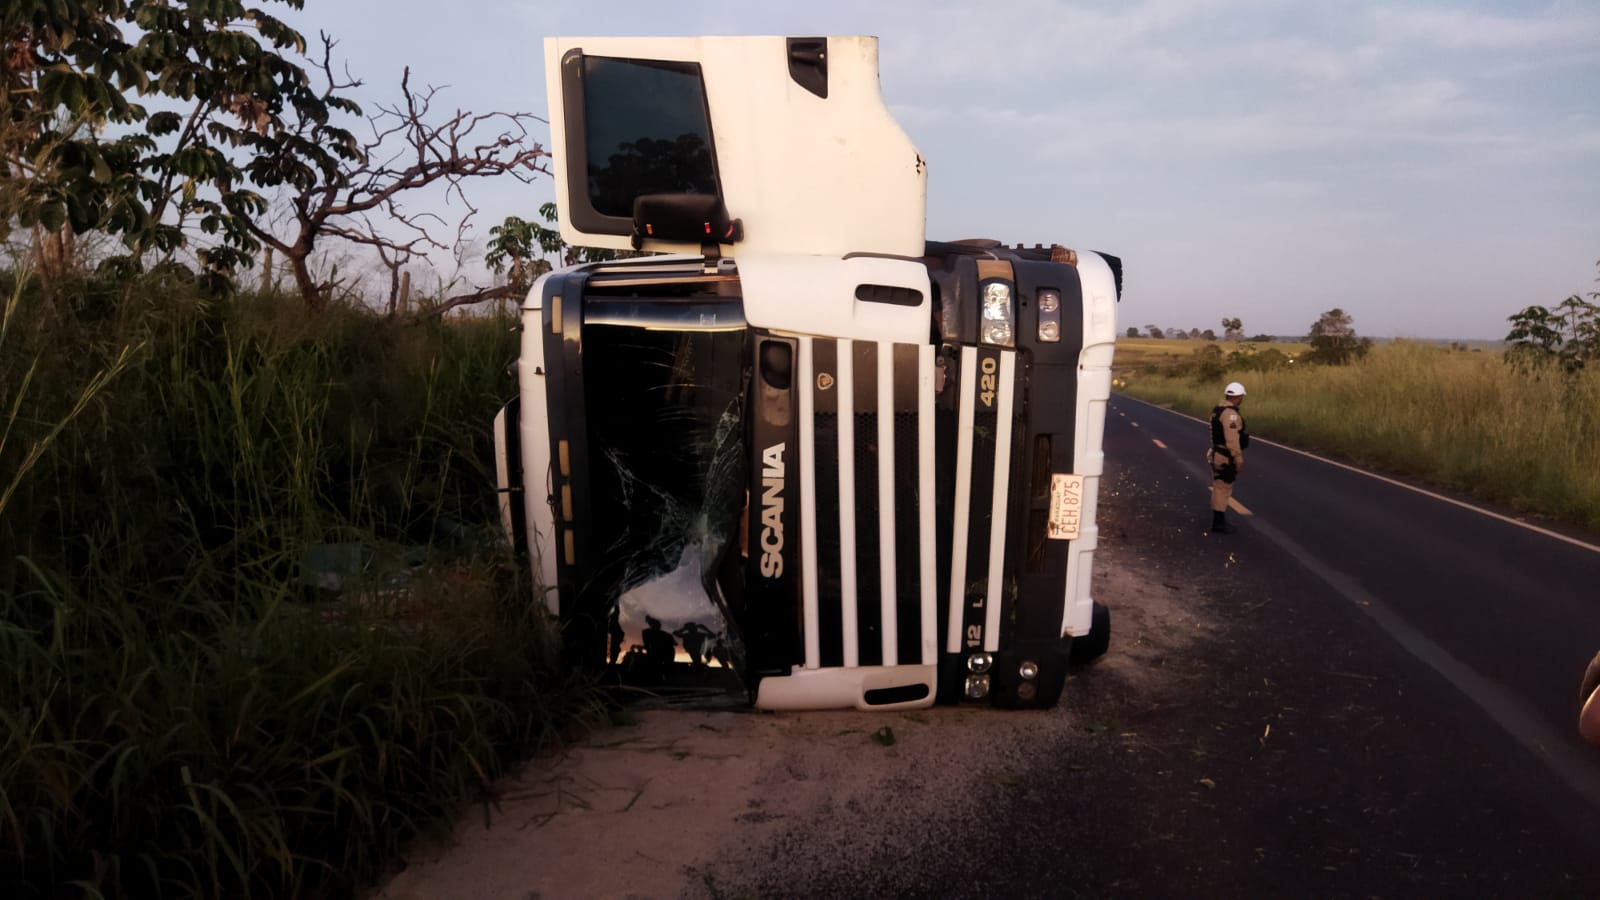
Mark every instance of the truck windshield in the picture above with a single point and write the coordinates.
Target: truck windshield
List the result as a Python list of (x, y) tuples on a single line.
[(667, 463)]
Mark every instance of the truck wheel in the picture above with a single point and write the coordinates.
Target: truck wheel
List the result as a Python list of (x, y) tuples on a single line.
[(1589, 698), (1093, 645), (1591, 679)]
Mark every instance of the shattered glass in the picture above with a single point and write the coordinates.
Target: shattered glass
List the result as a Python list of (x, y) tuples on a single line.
[(667, 457)]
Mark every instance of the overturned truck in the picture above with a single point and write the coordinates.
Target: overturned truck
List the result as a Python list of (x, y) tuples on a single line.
[(793, 450)]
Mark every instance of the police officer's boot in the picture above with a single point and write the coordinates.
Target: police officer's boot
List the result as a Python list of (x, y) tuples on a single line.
[(1219, 523)]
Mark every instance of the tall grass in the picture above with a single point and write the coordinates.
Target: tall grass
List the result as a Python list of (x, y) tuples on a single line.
[(1461, 420), (181, 713)]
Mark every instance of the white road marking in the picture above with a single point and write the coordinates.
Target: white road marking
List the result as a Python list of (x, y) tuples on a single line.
[(1522, 723), (1233, 504), (1401, 484), (1158, 443)]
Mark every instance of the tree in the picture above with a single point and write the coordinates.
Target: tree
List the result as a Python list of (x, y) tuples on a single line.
[(526, 249), (66, 75), (1232, 329), (1155, 331), (1581, 322), (1535, 339), (249, 118), (337, 183), (1567, 336), (1208, 335), (1333, 340), (1253, 360), (1206, 364), (1133, 331), (515, 244)]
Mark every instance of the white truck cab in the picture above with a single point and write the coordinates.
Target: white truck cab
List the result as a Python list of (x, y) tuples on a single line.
[(803, 455)]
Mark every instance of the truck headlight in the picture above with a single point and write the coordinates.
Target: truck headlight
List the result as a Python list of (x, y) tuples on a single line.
[(977, 687), (1049, 315), (998, 326)]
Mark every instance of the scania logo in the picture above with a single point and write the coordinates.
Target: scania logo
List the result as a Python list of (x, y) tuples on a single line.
[(772, 511)]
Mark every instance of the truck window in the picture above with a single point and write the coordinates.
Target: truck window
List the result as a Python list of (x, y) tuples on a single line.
[(646, 131)]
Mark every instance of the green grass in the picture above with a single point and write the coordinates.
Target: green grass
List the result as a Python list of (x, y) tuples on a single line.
[(180, 713), (1464, 421)]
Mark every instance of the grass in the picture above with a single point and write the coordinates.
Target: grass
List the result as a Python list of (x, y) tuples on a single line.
[(181, 712), (1464, 421), (1139, 354)]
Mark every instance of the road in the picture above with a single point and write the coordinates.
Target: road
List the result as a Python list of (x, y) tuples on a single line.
[(1507, 612), (1364, 692)]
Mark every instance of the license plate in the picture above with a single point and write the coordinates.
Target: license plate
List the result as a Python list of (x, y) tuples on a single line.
[(1066, 507)]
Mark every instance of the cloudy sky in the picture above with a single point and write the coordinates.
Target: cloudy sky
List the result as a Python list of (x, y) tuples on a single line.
[(1430, 167)]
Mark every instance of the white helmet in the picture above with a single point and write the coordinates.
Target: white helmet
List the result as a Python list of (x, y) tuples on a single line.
[(1235, 390)]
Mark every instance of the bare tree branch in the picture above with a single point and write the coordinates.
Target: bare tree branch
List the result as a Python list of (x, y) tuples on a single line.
[(338, 183), (481, 295)]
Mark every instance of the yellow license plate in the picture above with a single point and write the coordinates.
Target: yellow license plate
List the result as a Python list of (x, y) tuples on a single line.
[(1066, 507)]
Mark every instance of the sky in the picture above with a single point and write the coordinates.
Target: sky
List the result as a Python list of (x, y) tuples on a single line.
[(1429, 167)]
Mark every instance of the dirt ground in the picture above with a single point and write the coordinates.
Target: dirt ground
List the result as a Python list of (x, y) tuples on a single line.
[(1233, 742), (658, 808)]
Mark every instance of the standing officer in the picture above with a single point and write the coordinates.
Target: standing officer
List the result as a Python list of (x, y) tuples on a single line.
[(1228, 440)]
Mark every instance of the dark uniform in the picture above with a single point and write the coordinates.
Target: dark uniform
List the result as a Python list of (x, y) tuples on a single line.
[(1228, 440)]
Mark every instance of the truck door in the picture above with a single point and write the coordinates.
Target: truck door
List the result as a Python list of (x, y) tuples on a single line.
[(780, 145)]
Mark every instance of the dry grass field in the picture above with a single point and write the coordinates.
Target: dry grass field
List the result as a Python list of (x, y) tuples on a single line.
[(1460, 419), (1144, 354)]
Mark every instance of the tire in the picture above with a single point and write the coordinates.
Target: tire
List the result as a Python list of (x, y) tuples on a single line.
[(1589, 703), (1092, 646), (1591, 679)]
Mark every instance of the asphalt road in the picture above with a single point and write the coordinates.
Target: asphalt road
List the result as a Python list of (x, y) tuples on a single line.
[(1507, 612), (1364, 692)]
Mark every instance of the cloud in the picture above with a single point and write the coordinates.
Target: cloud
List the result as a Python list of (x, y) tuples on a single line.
[(915, 116), (1584, 141), (1435, 117), (1431, 100), (1295, 128), (1298, 57), (1285, 128), (952, 42), (1463, 30), (1290, 191)]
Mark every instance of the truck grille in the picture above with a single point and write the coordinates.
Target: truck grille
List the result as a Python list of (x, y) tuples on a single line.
[(867, 555)]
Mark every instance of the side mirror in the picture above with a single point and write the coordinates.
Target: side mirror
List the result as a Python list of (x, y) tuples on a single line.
[(686, 218)]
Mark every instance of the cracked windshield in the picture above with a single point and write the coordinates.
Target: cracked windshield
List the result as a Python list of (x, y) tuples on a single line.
[(667, 451)]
